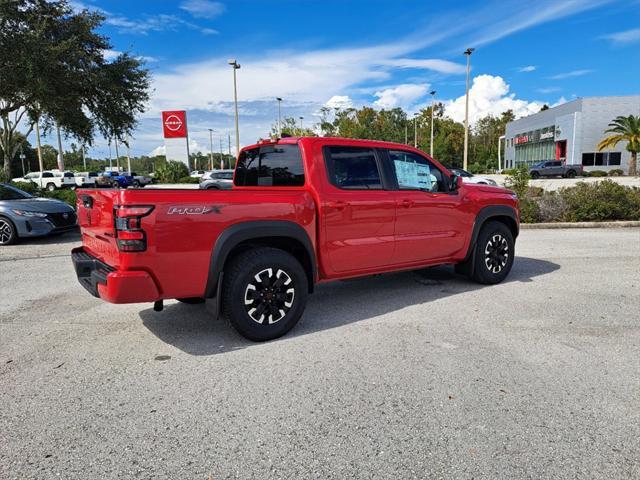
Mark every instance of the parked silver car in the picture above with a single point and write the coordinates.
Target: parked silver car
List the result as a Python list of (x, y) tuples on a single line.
[(22, 215), (217, 180)]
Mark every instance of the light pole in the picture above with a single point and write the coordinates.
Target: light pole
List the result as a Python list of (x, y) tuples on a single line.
[(236, 66), (415, 131), (84, 160), (279, 117), (60, 153), (221, 159), (301, 131), (110, 159), (39, 146), (406, 133), (433, 104), (22, 157), (468, 53), (500, 139), (210, 148), (117, 154)]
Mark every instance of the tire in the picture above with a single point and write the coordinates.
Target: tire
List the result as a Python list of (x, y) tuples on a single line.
[(191, 300), (212, 187), (535, 175), (136, 183), (51, 187), (571, 174), (115, 184), (248, 292), (8, 232), (494, 252)]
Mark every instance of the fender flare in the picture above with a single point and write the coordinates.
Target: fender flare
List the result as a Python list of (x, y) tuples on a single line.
[(241, 232), (485, 214)]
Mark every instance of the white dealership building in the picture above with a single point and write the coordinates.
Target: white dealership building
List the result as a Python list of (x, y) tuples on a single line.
[(570, 132)]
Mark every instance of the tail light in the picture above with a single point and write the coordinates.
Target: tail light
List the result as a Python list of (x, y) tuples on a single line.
[(129, 234)]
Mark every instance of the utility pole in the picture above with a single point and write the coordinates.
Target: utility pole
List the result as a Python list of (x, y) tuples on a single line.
[(128, 156), (39, 146), (236, 66), (433, 106), (60, 152), (117, 155), (301, 130), (415, 131), (84, 160), (229, 142), (210, 148), (468, 53), (279, 117), (22, 157)]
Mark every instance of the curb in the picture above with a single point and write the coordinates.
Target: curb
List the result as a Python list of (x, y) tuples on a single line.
[(621, 224)]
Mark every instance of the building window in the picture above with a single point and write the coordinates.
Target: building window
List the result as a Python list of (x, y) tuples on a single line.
[(587, 159), (599, 159), (614, 158)]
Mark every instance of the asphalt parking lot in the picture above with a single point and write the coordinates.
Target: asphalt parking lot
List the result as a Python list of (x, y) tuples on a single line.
[(410, 375)]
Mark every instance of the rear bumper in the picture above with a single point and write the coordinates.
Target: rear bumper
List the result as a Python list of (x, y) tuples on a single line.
[(105, 282)]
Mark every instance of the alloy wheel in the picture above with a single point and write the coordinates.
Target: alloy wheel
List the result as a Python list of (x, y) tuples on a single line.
[(496, 253), (6, 231), (269, 296)]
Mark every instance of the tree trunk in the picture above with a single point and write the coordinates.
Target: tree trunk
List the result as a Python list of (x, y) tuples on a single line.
[(633, 164), (6, 168)]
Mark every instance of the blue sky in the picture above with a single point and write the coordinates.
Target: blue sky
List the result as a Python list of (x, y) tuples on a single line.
[(379, 53)]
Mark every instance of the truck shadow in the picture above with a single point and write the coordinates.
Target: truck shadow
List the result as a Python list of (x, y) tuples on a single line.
[(191, 328)]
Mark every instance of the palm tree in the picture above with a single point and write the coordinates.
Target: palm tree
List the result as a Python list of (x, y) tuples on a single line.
[(624, 129)]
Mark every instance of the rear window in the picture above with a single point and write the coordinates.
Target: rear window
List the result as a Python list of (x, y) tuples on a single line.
[(270, 166)]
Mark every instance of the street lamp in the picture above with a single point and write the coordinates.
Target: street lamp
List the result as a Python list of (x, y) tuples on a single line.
[(468, 53), (236, 66), (210, 148), (415, 131), (128, 154), (279, 117), (433, 104), (301, 132)]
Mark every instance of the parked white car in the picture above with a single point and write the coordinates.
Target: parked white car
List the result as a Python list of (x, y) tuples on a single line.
[(471, 178), (85, 179), (139, 180), (48, 179), (197, 173)]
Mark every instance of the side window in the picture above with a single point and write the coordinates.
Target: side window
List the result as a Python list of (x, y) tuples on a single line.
[(415, 172), (270, 166), (352, 168), (47, 175)]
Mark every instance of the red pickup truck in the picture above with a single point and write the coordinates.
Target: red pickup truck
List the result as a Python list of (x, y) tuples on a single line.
[(301, 211)]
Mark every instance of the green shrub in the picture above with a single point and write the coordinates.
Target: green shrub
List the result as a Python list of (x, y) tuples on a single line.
[(171, 172), (552, 207), (28, 187), (509, 171), (67, 196), (519, 181), (616, 172), (529, 211), (601, 201), (188, 180), (597, 173), (584, 174), (475, 168)]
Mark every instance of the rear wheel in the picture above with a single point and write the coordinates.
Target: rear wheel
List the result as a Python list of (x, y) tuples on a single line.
[(535, 175), (115, 184), (136, 183), (494, 252), (51, 187), (212, 187), (8, 233), (571, 174), (264, 293)]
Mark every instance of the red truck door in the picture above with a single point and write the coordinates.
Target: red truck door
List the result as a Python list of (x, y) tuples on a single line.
[(358, 214), (430, 224)]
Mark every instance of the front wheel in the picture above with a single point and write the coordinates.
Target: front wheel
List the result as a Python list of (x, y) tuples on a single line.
[(535, 175), (571, 174), (494, 253), (264, 293), (8, 234), (51, 187)]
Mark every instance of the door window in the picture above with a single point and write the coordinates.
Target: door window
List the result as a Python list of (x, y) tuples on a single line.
[(414, 172), (353, 168)]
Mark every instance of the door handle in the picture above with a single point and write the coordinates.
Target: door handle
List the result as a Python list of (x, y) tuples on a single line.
[(339, 205), (407, 203)]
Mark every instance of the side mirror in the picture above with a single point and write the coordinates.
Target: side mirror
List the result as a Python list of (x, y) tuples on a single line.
[(456, 181)]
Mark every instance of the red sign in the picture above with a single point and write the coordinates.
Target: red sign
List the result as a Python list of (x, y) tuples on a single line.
[(174, 124), (522, 139)]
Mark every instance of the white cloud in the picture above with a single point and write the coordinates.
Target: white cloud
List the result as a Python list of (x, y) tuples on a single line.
[(194, 147), (339, 102), (435, 64), (571, 74), (110, 54), (625, 37), (489, 95), (548, 89), (528, 68), (203, 8), (404, 95)]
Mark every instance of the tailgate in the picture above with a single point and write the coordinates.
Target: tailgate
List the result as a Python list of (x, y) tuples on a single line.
[(95, 217)]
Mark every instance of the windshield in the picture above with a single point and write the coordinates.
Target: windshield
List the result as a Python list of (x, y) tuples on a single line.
[(10, 193)]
